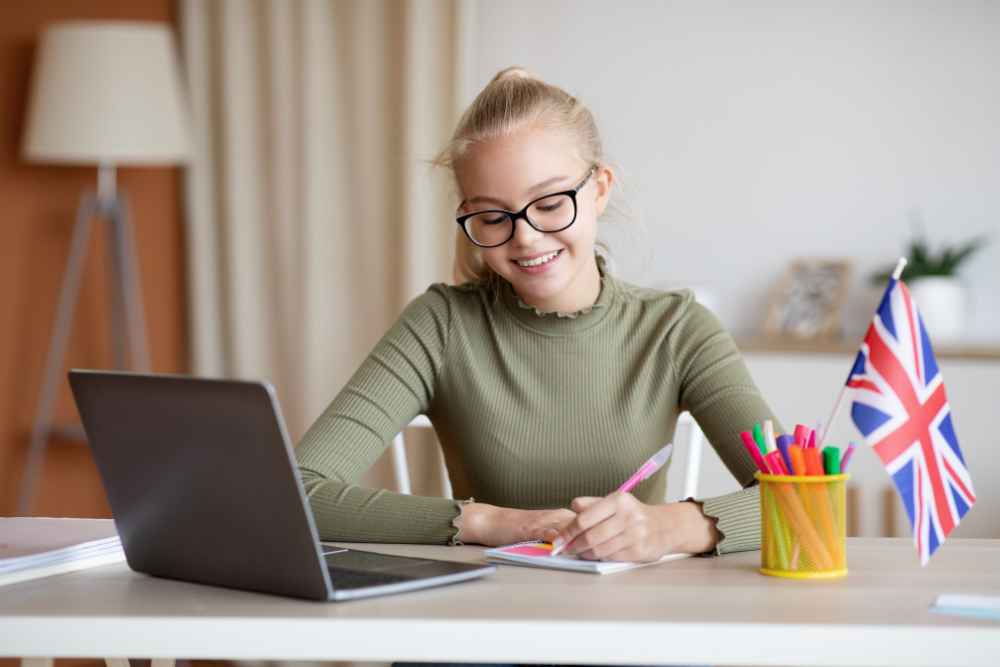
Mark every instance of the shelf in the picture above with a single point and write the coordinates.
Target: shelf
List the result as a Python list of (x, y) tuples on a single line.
[(976, 351)]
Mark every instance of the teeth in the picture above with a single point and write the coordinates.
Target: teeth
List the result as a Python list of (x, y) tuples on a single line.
[(538, 260)]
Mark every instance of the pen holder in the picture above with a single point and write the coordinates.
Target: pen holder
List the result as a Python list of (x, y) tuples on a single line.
[(803, 531)]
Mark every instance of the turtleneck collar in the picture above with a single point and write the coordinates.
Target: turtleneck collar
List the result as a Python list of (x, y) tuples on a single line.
[(561, 323)]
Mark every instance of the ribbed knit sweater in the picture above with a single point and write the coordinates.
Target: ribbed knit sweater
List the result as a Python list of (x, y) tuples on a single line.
[(533, 409)]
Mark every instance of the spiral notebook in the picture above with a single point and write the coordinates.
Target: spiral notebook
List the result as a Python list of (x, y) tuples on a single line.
[(537, 554)]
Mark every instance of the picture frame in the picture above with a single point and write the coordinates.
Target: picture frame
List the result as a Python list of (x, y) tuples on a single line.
[(807, 300)]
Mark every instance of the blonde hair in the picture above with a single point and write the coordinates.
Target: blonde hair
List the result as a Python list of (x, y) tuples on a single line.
[(513, 99)]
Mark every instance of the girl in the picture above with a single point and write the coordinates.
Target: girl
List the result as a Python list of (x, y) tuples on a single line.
[(548, 380)]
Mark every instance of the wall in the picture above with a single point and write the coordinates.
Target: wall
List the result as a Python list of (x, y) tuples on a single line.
[(751, 133), (39, 203)]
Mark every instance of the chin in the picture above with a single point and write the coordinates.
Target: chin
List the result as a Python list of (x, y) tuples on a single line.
[(538, 289)]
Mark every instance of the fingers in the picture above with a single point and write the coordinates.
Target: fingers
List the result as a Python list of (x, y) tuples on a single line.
[(584, 502), (619, 544), (590, 512), (594, 544)]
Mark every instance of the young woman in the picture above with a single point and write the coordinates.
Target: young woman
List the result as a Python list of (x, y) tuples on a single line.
[(547, 379)]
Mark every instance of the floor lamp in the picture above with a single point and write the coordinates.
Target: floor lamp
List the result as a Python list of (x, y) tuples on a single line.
[(104, 94)]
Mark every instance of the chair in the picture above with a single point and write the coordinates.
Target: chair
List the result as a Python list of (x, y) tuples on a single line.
[(690, 448)]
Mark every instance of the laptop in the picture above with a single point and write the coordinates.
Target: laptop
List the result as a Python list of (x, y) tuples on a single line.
[(203, 486)]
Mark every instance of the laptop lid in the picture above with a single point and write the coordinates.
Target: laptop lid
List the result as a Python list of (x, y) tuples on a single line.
[(202, 481)]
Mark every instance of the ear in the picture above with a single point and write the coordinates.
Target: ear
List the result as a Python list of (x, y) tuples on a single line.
[(604, 179)]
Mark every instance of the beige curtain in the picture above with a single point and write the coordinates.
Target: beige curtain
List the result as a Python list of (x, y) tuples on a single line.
[(313, 217)]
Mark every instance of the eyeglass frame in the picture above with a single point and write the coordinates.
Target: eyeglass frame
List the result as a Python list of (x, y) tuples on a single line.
[(523, 213)]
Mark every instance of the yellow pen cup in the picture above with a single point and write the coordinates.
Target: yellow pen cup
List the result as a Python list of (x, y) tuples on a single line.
[(803, 526)]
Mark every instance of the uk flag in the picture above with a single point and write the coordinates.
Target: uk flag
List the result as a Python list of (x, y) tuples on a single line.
[(900, 407)]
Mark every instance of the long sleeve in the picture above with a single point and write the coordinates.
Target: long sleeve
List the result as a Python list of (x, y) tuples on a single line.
[(395, 383), (716, 387)]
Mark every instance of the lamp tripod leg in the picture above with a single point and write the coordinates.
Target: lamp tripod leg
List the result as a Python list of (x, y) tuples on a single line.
[(68, 296), (130, 288)]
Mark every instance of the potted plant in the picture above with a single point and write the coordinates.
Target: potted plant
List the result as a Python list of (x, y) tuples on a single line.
[(933, 281)]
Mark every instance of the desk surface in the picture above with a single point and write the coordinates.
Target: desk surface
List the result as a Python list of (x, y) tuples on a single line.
[(693, 611)]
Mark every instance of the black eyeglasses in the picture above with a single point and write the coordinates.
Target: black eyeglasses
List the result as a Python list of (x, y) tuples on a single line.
[(550, 213)]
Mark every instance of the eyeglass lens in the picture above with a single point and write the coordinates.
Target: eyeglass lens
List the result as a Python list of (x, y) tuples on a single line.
[(550, 214)]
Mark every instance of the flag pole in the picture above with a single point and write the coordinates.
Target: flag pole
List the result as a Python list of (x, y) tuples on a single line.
[(896, 273)]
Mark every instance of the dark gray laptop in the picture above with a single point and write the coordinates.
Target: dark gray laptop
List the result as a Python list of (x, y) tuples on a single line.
[(203, 486)]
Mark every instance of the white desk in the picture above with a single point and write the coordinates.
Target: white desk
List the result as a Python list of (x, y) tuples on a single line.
[(694, 611)]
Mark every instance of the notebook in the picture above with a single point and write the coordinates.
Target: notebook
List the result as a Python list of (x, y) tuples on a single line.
[(40, 547), (537, 554)]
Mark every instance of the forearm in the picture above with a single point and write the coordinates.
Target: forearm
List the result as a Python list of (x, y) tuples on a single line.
[(490, 525), (350, 513)]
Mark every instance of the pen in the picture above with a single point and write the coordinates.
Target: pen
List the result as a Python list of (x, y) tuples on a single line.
[(655, 462), (847, 457)]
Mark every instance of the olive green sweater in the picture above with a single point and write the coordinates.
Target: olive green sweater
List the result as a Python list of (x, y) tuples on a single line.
[(533, 409)]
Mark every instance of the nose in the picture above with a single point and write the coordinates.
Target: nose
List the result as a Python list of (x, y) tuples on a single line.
[(524, 233)]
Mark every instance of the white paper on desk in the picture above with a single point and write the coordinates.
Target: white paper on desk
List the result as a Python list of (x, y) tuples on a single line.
[(37, 547), (981, 606), (537, 554)]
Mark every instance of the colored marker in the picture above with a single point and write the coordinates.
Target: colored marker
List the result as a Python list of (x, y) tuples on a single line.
[(758, 436), (775, 463), (831, 460), (784, 442), (754, 451), (801, 435), (769, 435), (798, 460), (814, 463), (847, 456), (812, 439)]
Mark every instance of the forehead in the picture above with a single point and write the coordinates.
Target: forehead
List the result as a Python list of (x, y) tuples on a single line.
[(507, 169)]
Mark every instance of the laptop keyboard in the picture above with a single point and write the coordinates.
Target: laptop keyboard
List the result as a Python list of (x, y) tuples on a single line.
[(360, 569)]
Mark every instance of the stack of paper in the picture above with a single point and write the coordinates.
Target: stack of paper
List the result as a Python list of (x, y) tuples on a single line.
[(32, 547), (538, 554)]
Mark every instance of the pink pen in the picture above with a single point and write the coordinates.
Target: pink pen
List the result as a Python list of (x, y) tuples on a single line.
[(655, 462), (847, 457)]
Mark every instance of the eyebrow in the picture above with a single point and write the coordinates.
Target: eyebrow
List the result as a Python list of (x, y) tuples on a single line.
[(538, 186)]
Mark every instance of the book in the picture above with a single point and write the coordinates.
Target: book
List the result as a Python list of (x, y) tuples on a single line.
[(31, 548), (538, 554)]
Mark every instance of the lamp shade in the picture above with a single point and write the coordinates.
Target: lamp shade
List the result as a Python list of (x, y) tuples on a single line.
[(106, 93)]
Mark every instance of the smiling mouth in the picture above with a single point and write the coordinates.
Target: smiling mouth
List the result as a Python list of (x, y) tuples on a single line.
[(538, 261)]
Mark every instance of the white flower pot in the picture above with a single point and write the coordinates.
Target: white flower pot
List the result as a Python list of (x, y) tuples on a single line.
[(943, 305)]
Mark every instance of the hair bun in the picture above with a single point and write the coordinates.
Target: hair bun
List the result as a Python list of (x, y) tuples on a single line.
[(514, 72)]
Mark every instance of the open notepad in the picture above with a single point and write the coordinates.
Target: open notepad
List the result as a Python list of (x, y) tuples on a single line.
[(537, 554)]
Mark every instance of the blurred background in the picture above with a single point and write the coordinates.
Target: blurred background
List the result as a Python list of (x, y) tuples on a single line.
[(756, 143)]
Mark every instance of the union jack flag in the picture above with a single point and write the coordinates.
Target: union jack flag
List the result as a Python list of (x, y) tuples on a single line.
[(899, 405)]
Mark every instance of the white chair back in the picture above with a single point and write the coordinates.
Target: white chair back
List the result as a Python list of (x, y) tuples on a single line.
[(690, 447)]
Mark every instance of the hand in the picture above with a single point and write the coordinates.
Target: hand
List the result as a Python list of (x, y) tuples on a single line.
[(496, 526), (620, 527)]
